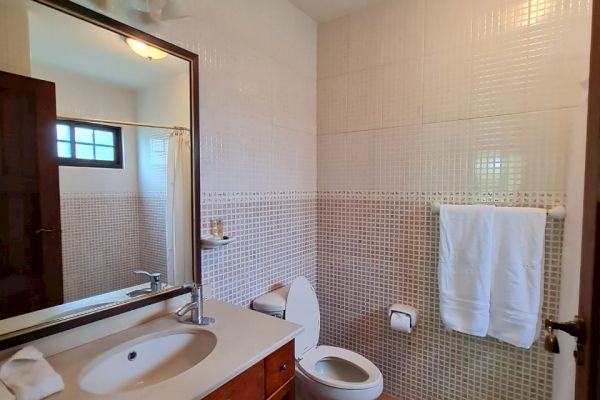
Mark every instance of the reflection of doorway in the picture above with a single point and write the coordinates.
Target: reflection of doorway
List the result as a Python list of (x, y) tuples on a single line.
[(30, 233)]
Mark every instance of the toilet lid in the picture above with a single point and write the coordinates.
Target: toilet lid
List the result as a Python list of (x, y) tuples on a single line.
[(302, 308)]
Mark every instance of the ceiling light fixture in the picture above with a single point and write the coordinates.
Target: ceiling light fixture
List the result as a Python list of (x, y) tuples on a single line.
[(143, 50)]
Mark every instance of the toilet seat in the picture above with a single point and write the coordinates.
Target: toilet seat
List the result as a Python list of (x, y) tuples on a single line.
[(349, 370)]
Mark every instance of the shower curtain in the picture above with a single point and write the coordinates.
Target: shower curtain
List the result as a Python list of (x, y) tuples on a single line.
[(179, 209)]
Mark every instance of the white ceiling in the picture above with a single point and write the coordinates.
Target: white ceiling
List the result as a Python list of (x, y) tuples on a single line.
[(326, 10), (73, 45)]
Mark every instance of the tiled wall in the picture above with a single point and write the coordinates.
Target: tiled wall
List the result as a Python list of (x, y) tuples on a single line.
[(459, 101), (258, 131), (107, 236), (153, 233), (258, 67), (275, 242), (100, 242), (379, 248)]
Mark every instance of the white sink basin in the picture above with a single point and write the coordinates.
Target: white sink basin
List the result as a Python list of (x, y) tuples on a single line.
[(146, 361)]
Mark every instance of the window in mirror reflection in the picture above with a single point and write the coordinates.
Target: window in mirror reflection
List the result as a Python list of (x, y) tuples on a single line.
[(88, 145)]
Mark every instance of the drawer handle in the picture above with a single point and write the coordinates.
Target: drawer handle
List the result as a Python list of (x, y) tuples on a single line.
[(283, 367)]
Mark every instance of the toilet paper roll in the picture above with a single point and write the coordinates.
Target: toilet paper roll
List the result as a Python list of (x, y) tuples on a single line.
[(400, 322)]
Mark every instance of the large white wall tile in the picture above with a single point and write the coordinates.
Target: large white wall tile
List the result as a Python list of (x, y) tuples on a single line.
[(447, 85), (332, 152), (366, 39), (398, 152), (448, 24), (403, 26), (258, 69), (453, 95), (402, 93), (362, 161), (332, 105), (333, 48), (365, 99), (294, 101)]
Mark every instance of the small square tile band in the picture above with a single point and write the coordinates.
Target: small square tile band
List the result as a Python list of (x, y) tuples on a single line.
[(375, 249), (106, 236), (275, 236)]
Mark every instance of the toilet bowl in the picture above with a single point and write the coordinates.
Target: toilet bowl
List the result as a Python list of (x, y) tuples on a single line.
[(322, 372)]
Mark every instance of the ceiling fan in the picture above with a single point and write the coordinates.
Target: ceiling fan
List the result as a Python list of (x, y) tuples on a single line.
[(145, 12)]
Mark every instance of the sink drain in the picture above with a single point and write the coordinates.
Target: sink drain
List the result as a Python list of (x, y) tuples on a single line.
[(132, 355)]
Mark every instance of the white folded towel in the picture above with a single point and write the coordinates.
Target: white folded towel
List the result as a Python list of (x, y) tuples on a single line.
[(29, 376), (465, 267), (517, 274), (5, 394)]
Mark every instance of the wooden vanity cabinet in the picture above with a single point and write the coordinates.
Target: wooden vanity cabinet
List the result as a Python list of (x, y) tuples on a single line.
[(270, 379)]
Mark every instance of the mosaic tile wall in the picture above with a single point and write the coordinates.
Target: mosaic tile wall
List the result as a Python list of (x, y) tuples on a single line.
[(100, 236), (108, 236), (460, 101), (376, 249), (153, 234), (275, 242)]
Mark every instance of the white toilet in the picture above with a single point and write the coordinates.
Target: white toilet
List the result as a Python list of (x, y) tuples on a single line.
[(322, 372)]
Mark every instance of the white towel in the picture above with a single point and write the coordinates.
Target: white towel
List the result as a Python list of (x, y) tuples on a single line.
[(465, 267), (29, 376), (517, 274), (5, 394)]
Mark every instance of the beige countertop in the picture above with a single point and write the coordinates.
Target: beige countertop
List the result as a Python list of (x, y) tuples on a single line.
[(244, 337)]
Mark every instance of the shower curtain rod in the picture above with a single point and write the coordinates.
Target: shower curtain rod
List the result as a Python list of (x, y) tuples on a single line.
[(117, 122)]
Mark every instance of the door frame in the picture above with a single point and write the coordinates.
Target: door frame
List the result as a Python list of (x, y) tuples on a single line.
[(586, 381)]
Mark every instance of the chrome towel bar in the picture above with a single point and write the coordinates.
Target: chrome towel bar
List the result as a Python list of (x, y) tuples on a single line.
[(558, 212)]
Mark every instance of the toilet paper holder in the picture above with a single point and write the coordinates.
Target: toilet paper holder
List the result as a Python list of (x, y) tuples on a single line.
[(403, 309)]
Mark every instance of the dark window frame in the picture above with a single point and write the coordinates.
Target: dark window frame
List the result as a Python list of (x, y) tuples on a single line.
[(78, 162)]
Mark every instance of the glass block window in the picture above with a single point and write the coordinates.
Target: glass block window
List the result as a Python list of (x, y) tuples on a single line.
[(83, 144)]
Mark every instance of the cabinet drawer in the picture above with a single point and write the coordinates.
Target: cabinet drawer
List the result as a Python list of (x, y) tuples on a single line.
[(249, 385), (279, 368), (286, 392)]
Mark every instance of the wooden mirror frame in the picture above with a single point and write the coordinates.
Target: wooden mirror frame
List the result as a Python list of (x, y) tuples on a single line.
[(35, 332)]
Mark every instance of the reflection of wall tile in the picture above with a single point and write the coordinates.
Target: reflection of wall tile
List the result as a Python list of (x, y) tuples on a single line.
[(105, 237), (100, 238), (153, 233), (375, 249)]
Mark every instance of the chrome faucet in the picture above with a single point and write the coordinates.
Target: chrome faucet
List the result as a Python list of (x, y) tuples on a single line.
[(194, 307), (155, 285)]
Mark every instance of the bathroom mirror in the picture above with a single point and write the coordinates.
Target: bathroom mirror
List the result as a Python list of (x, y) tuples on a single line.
[(109, 226)]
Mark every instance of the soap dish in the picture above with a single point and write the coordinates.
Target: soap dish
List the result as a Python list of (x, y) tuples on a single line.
[(212, 243)]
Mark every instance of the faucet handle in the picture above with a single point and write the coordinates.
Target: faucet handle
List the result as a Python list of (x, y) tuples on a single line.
[(154, 279), (190, 285), (153, 275), (195, 290)]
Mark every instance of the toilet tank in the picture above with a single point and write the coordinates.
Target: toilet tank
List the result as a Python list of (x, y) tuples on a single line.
[(272, 303)]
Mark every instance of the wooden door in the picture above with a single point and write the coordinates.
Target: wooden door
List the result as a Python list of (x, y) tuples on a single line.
[(30, 234), (587, 386)]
